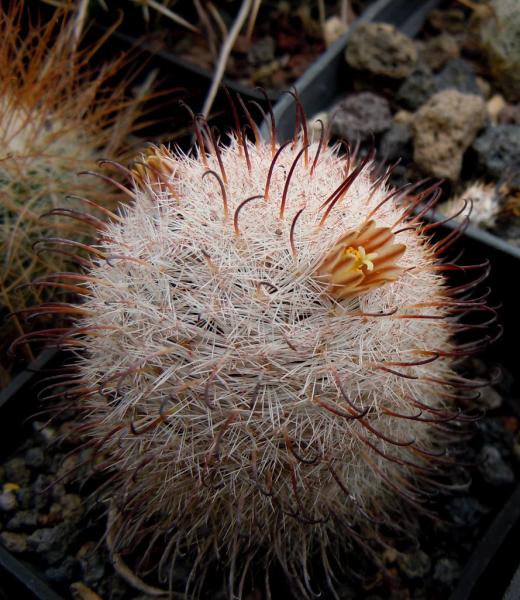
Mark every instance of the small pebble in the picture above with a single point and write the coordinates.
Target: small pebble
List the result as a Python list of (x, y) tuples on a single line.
[(510, 114), (452, 20), (489, 398), (52, 543), (92, 562), (417, 88), (415, 565), (491, 430), (16, 471), (14, 542), (11, 487), (466, 511), (25, 497), (458, 75), (390, 555), (492, 467), (498, 149), (115, 588), (446, 571), (262, 51), (495, 105), (438, 50), (382, 50), (500, 41), (484, 86), (53, 516), (8, 502), (24, 520), (72, 507), (396, 143), (334, 28), (403, 117), (41, 492), (80, 591), (360, 115), (58, 491), (443, 129), (34, 457), (68, 570)]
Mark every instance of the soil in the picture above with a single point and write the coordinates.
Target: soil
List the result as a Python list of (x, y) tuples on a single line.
[(286, 39)]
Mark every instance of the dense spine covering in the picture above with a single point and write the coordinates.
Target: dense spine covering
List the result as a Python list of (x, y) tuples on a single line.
[(266, 356)]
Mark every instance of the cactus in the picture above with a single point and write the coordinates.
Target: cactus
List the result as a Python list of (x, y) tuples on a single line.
[(57, 117), (266, 362), (480, 202)]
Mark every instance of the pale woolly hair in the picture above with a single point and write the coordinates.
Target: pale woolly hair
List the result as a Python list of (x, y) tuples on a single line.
[(263, 386)]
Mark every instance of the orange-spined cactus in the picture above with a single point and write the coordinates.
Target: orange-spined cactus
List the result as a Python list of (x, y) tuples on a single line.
[(59, 115)]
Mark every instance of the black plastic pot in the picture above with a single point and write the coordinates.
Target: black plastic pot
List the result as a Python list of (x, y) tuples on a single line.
[(17, 403), (17, 580), (492, 570)]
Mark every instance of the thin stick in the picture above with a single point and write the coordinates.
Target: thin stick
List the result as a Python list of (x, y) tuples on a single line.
[(218, 19), (252, 19), (168, 13), (123, 570), (225, 51), (79, 22), (212, 38)]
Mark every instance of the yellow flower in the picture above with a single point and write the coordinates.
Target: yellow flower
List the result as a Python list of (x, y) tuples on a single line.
[(353, 267), (362, 258)]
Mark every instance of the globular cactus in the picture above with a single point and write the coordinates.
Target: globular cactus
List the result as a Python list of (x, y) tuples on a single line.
[(58, 116), (480, 202), (266, 358)]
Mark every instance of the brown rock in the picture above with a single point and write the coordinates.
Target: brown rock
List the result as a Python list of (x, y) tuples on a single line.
[(452, 20), (333, 29), (80, 591), (439, 50), (382, 50), (403, 117), (14, 542), (443, 129), (495, 106)]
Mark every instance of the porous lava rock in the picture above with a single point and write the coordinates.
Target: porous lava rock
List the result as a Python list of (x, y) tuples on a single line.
[(443, 129)]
